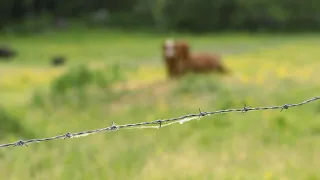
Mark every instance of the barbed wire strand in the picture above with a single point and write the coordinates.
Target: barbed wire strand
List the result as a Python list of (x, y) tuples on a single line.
[(157, 123)]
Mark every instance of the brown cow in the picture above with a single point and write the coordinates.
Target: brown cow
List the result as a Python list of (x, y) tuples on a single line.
[(171, 55), (180, 61), (200, 62)]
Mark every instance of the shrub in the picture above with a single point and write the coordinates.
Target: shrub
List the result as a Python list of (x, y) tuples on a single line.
[(79, 83), (11, 124)]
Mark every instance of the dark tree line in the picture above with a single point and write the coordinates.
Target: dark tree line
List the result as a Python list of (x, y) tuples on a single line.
[(190, 15)]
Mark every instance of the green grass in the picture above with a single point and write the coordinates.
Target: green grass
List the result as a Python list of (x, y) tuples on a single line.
[(267, 70)]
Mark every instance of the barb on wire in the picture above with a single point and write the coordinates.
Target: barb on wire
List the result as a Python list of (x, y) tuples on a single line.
[(201, 114), (286, 106), (245, 108), (161, 123)]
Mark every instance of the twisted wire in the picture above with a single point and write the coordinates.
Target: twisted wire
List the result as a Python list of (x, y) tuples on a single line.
[(157, 123)]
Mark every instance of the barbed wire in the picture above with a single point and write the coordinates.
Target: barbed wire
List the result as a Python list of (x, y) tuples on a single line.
[(159, 123)]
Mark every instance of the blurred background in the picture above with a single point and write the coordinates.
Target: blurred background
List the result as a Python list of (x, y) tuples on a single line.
[(160, 15), (71, 66)]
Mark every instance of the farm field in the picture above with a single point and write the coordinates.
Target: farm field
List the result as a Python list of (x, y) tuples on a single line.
[(114, 76)]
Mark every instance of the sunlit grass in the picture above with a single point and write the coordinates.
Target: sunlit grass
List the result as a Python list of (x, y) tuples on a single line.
[(275, 64), (24, 78)]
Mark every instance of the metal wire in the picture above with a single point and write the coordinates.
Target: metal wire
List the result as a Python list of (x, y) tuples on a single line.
[(155, 124)]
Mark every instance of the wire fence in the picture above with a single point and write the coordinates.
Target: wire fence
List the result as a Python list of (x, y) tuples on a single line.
[(157, 123)]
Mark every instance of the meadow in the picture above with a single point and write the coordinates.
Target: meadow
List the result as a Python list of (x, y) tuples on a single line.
[(114, 76)]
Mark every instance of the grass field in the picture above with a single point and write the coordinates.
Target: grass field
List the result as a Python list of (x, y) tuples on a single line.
[(41, 101)]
